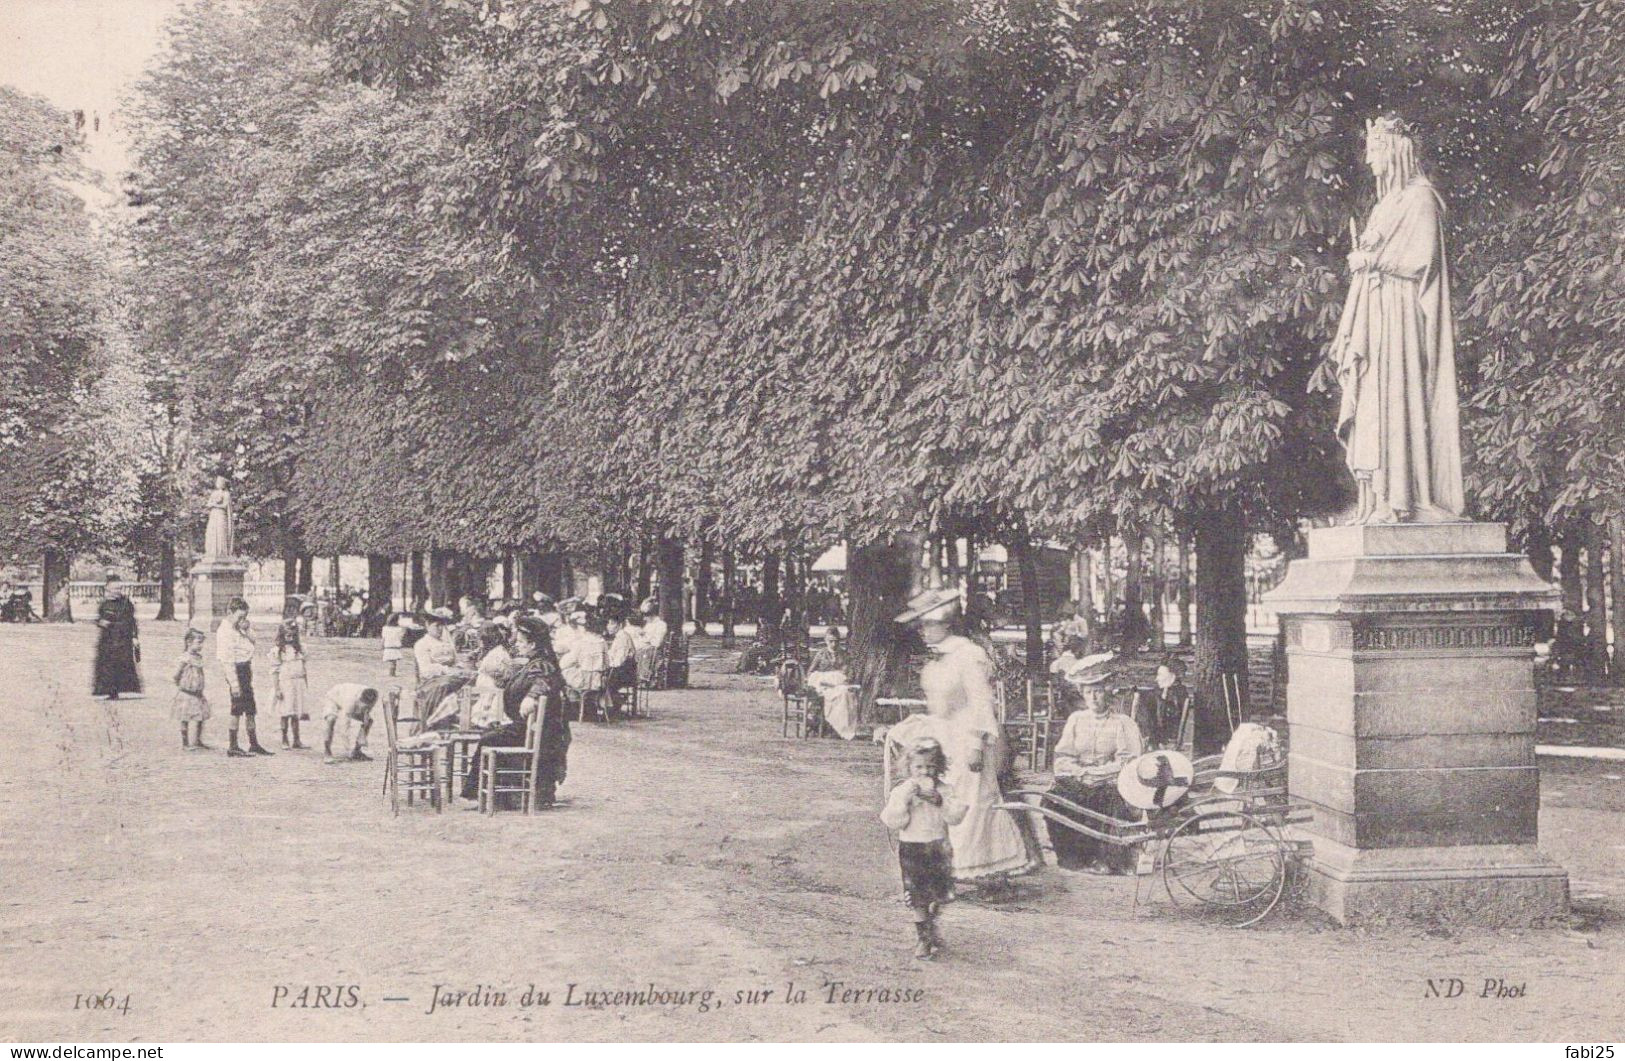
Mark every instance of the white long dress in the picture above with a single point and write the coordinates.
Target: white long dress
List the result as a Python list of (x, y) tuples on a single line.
[(959, 694)]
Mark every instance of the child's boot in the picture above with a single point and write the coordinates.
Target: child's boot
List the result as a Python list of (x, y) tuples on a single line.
[(935, 933), (197, 741), (285, 733), (922, 936), (294, 725), (254, 746), (234, 752), (186, 735)]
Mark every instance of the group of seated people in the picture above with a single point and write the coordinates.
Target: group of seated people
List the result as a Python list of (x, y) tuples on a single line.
[(550, 664), (17, 604), (1097, 741), (602, 650)]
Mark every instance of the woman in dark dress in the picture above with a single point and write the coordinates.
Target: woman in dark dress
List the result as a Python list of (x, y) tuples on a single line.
[(535, 692), (118, 645)]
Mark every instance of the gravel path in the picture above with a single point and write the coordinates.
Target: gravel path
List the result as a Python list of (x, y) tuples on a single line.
[(698, 852)]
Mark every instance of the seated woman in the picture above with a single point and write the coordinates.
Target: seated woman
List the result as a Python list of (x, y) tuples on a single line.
[(439, 674), (620, 663), (492, 674), (650, 634), (827, 680), (533, 696), (1093, 748), (583, 662)]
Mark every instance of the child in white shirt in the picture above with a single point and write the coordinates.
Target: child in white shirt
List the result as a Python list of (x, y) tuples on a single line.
[(920, 809)]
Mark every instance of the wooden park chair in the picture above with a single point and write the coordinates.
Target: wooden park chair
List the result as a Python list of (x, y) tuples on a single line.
[(414, 771), (511, 771)]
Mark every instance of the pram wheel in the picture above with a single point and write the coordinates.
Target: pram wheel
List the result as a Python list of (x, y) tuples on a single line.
[(1226, 862)]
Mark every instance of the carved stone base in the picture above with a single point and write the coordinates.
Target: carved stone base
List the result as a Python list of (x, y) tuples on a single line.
[(214, 584), (1504, 884), (1411, 714)]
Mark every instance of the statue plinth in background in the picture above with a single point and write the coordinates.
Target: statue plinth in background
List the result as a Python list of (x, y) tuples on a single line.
[(219, 575)]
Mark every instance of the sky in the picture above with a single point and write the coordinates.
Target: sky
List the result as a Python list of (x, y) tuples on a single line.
[(79, 53)]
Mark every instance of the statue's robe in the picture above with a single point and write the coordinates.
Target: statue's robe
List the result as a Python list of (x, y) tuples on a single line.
[(1395, 354)]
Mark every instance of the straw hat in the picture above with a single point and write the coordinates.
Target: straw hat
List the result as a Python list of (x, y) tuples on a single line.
[(934, 604), (1155, 780), (1091, 670)]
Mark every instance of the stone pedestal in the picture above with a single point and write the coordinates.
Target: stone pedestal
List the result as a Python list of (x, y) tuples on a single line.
[(1411, 712), (214, 583)]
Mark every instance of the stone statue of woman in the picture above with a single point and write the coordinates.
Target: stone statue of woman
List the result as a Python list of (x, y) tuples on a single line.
[(1395, 351), (217, 534)]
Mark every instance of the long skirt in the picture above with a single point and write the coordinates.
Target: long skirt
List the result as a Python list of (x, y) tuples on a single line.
[(988, 842), (553, 762), (551, 765), (1074, 850), (433, 690), (115, 665)]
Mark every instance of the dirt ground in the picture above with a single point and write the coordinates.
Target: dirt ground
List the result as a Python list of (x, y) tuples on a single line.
[(698, 851)]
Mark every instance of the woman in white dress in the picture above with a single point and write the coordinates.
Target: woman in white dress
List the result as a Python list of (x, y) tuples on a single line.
[(987, 845)]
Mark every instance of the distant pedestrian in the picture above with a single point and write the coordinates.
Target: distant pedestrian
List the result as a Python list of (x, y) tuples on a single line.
[(289, 677), (190, 706), (394, 637), (118, 644)]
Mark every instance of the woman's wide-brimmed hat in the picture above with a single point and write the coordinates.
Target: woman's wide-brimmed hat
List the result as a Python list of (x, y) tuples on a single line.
[(1155, 780), (440, 615), (1092, 670), (937, 604)]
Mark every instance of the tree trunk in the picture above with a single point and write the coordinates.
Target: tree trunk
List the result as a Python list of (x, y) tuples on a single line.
[(772, 608), (703, 605), (1132, 634), (418, 593), (290, 572), (1221, 620), (670, 552), (307, 573), (1158, 618), (439, 575), (1616, 568), (380, 580), (1109, 589), (550, 572), (1596, 613), (881, 578), (729, 595), (645, 570), (55, 603), (166, 579), (1538, 545), (1084, 560), (1184, 595), (507, 576), (1032, 605)]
